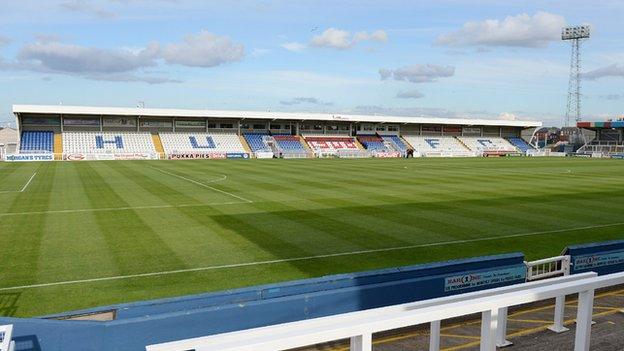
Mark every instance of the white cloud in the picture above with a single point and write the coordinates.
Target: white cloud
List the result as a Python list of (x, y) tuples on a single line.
[(203, 50), (418, 73), (507, 116), (294, 46), (613, 70), (333, 38), (125, 64), (521, 31), (61, 57), (412, 94), (378, 35), (305, 100), (342, 39), (86, 7)]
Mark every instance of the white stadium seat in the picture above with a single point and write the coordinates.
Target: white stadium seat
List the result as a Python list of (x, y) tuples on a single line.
[(201, 142), (107, 142), (487, 144), (437, 145)]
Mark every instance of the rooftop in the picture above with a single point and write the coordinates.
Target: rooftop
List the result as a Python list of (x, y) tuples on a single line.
[(298, 116)]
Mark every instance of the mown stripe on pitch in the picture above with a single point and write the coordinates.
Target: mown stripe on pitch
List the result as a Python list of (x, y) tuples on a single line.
[(72, 242), (144, 179), (22, 236), (131, 242)]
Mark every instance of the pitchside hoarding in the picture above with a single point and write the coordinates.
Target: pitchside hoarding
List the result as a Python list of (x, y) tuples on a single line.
[(28, 157)]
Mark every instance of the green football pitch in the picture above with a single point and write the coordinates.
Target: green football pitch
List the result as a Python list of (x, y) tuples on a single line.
[(78, 235)]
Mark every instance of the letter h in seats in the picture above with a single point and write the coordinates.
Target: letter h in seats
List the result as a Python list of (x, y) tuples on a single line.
[(100, 142), (209, 143)]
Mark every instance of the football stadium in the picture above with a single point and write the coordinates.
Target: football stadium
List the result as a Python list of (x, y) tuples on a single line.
[(310, 176), (135, 220)]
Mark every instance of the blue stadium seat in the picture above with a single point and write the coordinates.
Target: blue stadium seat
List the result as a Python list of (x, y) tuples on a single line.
[(255, 141), (373, 143), (396, 140), (521, 144), (37, 141), (289, 143)]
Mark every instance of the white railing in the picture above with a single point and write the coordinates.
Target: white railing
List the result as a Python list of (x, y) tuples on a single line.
[(360, 326), (548, 268), (6, 332)]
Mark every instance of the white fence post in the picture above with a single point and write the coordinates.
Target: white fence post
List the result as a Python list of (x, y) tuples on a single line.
[(362, 342), (558, 327), (489, 323), (584, 320), (434, 336), (501, 333)]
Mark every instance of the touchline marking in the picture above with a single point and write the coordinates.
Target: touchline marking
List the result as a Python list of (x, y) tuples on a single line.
[(126, 208), (23, 188), (28, 182), (204, 184), (305, 258)]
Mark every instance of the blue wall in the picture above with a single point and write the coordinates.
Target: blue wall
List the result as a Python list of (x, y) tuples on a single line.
[(602, 258), (149, 322)]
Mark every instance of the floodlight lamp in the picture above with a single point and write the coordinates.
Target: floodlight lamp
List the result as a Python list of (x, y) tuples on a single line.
[(576, 32)]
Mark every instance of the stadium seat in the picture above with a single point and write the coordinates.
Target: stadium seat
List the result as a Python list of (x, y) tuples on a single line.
[(201, 142), (107, 142), (521, 144), (373, 143), (488, 144), (396, 141), (329, 143), (437, 145), (256, 141), (289, 143), (37, 142)]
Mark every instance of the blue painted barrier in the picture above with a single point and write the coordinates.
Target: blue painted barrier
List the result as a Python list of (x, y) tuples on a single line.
[(143, 323), (602, 258)]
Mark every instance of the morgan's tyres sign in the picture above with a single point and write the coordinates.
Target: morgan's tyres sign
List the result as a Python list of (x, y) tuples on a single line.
[(29, 157)]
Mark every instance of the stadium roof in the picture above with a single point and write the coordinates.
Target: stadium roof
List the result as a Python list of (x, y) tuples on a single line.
[(298, 116)]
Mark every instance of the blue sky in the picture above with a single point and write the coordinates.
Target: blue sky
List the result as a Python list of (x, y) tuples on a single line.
[(438, 58)]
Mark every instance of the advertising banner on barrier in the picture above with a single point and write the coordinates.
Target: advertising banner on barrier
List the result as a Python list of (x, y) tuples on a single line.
[(28, 157), (196, 155), (387, 154), (238, 155), (602, 258), (484, 279), (109, 157)]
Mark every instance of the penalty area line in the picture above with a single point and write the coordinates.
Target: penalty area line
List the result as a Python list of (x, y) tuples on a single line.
[(23, 188), (305, 258), (204, 184)]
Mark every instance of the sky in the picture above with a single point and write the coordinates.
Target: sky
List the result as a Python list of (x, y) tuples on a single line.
[(446, 58)]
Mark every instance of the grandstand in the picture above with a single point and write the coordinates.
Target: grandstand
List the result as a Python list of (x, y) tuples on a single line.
[(75, 132), (608, 140)]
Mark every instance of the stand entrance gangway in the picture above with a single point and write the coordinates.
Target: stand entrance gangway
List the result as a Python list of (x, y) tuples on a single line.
[(359, 326)]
